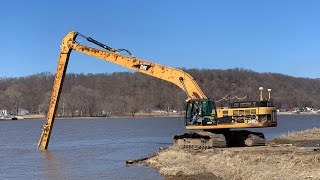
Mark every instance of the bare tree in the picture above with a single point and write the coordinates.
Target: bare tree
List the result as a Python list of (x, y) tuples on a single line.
[(13, 97), (125, 93)]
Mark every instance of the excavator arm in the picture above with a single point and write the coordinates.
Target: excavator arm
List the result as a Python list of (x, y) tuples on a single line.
[(178, 77)]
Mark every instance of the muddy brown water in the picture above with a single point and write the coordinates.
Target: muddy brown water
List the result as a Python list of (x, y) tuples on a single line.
[(98, 148)]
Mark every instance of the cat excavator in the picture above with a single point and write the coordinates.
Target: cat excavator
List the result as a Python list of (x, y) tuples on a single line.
[(201, 112)]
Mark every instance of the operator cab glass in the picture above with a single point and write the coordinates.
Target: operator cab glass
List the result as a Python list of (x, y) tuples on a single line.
[(200, 112)]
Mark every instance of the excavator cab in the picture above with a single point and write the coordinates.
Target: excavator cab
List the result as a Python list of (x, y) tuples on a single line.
[(201, 112)]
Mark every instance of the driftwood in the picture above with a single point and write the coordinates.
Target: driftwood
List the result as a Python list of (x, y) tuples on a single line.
[(140, 160)]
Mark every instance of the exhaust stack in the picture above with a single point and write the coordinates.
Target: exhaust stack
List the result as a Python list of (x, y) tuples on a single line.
[(269, 94), (261, 96)]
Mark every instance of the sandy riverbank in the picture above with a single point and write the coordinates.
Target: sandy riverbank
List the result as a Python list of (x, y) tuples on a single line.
[(282, 158)]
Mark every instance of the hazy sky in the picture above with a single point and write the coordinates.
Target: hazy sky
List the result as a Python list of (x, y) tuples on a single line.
[(264, 36)]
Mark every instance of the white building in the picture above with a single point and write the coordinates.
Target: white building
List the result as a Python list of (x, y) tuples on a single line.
[(3, 112), (22, 112)]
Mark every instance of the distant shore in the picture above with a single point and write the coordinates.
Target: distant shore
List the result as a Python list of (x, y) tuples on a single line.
[(143, 115), (298, 113), (137, 115)]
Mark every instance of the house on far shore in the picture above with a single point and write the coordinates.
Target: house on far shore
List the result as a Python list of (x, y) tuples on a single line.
[(3, 113), (22, 112)]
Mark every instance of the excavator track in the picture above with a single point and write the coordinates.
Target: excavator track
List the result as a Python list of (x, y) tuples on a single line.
[(244, 138), (199, 140), (208, 140)]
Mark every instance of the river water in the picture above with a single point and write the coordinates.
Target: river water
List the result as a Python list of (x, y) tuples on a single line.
[(98, 148)]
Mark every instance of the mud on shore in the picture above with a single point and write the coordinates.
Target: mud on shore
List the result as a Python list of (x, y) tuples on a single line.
[(292, 156)]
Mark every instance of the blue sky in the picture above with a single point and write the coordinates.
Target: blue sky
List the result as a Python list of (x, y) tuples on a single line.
[(264, 36)]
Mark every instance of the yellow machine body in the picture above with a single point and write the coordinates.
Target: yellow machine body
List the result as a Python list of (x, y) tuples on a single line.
[(240, 117)]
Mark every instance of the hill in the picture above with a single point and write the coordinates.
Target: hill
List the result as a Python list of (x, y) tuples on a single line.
[(127, 93)]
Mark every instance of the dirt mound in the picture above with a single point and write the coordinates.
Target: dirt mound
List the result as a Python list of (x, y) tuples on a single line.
[(275, 161)]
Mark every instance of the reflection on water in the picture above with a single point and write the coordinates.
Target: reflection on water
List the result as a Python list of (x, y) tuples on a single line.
[(98, 148), (53, 165)]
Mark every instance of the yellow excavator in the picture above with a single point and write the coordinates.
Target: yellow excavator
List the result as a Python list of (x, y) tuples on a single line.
[(201, 112)]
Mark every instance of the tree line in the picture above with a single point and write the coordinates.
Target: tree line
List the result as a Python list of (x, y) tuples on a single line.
[(126, 93)]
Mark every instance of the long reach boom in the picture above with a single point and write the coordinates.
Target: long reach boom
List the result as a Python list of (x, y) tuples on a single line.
[(178, 77), (201, 112)]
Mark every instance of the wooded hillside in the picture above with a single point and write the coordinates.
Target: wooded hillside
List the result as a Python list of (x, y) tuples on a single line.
[(124, 93)]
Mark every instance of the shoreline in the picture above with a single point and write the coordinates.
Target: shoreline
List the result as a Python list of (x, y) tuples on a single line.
[(141, 115), (301, 113), (136, 115), (285, 156)]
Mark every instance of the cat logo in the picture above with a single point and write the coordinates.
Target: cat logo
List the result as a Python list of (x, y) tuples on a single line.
[(142, 66)]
